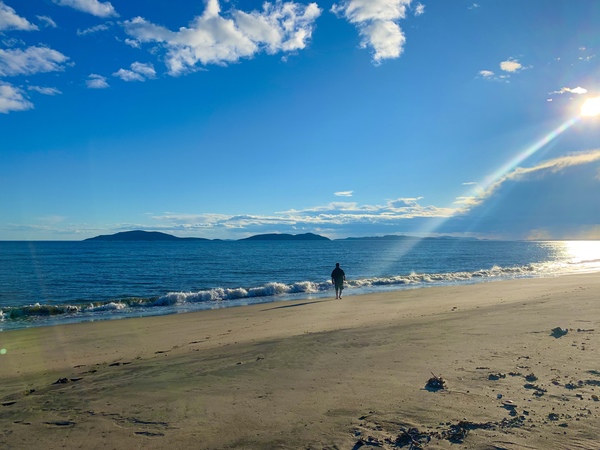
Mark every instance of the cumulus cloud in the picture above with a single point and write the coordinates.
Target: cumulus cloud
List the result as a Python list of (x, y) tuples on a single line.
[(10, 20), (139, 72), (419, 9), (578, 90), (94, 7), (45, 90), (214, 38), (95, 81), (511, 65), (12, 99), (344, 193), (377, 23), (30, 61)]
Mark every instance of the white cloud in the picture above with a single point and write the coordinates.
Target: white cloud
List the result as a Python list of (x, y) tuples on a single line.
[(48, 22), (332, 216), (511, 65), (94, 7), (45, 90), (128, 75), (10, 20), (344, 194), (13, 42), (133, 43), (469, 183), (392, 210), (376, 21), (491, 76), (419, 9), (465, 201), (95, 81), (215, 39), (13, 99), (146, 70), (474, 6), (101, 27), (138, 72), (578, 90), (31, 61)]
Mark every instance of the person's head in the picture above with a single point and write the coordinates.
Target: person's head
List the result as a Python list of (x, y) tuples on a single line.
[(337, 264)]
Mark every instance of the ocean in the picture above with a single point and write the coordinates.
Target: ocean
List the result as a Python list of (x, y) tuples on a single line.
[(49, 283)]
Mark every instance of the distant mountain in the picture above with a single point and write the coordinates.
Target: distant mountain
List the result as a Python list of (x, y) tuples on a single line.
[(286, 237), (139, 235)]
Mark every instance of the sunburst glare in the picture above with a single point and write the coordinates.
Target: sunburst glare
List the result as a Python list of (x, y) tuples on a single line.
[(591, 107)]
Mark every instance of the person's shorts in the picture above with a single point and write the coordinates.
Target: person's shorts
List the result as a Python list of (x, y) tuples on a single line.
[(339, 286)]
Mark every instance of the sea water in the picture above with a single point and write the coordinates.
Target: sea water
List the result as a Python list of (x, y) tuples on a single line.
[(47, 283)]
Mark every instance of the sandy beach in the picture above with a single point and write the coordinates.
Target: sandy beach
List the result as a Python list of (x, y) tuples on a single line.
[(320, 374)]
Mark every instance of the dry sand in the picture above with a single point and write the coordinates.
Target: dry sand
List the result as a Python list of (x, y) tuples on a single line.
[(319, 374)]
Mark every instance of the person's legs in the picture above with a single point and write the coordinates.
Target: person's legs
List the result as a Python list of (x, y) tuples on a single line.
[(338, 290)]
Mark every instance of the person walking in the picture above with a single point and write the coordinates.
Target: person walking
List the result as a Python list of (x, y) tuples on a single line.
[(337, 279)]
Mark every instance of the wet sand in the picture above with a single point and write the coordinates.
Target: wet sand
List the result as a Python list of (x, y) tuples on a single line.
[(320, 374)]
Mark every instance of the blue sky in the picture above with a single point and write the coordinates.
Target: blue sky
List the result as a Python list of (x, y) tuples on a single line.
[(223, 119)]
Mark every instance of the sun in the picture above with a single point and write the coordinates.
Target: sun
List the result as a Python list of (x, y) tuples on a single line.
[(591, 107)]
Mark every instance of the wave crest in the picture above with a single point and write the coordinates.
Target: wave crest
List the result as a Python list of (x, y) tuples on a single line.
[(268, 292)]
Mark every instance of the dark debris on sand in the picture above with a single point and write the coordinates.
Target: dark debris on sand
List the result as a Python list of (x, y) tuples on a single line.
[(435, 383), (415, 439)]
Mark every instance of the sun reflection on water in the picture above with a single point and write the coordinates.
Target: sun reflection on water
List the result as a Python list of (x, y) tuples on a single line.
[(586, 253)]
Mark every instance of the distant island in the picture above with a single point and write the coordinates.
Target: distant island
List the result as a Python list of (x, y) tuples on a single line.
[(286, 237), (139, 235)]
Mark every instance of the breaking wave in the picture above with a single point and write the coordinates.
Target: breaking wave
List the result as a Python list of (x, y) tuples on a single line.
[(220, 297)]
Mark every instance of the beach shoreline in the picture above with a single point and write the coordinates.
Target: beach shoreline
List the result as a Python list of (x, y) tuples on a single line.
[(319, 373)]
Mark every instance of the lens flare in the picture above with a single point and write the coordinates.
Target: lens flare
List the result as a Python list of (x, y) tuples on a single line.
[(591, 107), (526, 153)]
